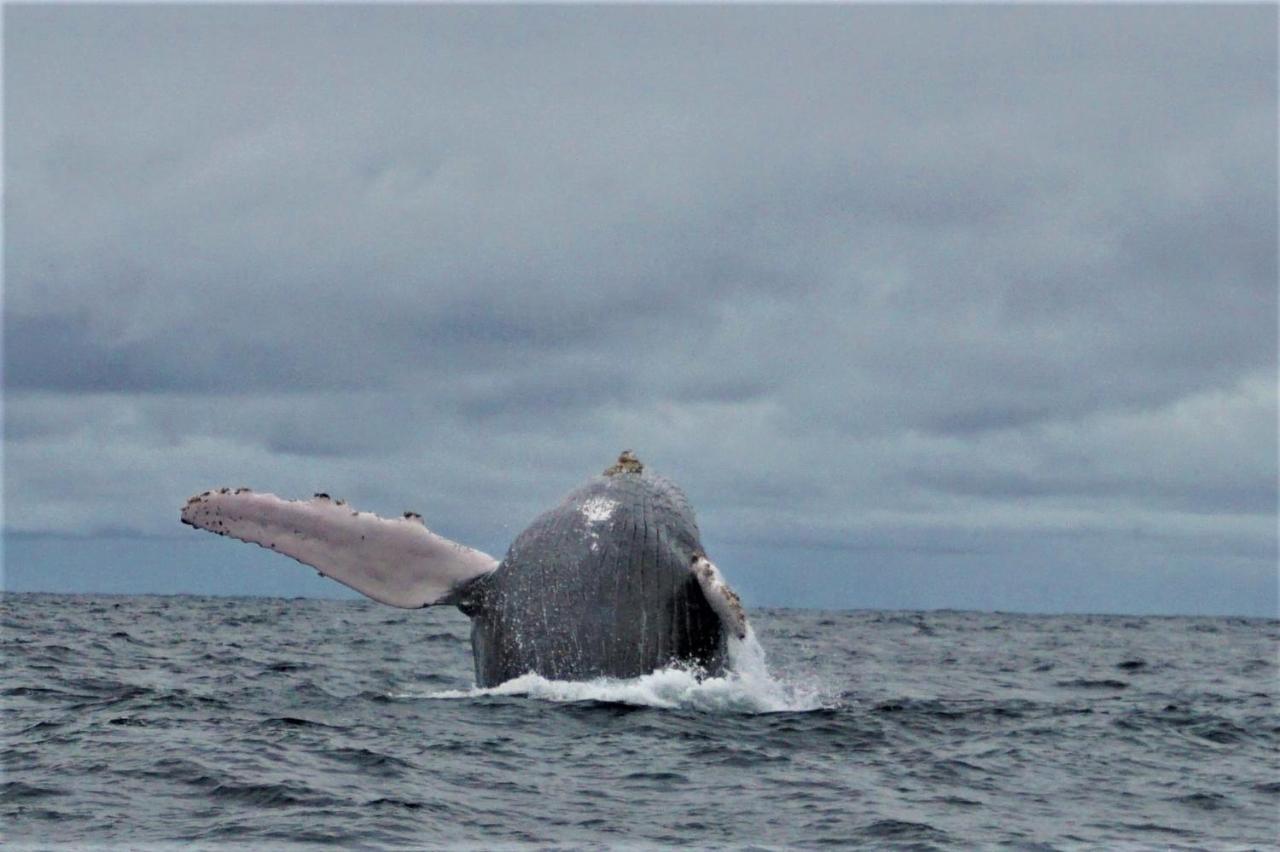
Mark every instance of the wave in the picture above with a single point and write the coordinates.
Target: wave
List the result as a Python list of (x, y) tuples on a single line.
[(746, 687)]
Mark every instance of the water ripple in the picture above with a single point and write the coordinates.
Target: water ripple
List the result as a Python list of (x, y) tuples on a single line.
[(167, 722)]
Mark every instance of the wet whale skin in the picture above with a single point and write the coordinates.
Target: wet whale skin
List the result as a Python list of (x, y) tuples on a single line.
[(599, 586)]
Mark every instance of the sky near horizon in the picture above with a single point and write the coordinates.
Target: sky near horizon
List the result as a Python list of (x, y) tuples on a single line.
[(924, 306)]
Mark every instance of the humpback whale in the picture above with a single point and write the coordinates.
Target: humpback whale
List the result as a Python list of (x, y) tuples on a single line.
[(612, 582)]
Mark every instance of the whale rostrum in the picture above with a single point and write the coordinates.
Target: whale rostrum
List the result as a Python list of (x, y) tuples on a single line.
[(612, 582)]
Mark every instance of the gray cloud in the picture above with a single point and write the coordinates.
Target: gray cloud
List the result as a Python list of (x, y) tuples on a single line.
[(913, 275)]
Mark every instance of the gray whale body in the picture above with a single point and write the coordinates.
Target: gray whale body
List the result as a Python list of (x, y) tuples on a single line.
[(612, 582), (598, 586)]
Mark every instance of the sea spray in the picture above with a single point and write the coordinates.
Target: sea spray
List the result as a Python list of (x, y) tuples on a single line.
[(747, 687)]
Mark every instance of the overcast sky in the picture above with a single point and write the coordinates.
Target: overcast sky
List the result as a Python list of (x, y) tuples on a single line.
[(923, 306)]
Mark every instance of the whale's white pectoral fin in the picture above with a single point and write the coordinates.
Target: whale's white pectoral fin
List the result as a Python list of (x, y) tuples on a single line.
[(398, 562), (724, 600)]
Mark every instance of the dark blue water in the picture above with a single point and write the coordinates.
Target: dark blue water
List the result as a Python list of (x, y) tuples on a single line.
[(261, 722)]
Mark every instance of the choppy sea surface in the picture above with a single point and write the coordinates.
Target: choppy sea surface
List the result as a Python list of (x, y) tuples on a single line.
[(141, 722)]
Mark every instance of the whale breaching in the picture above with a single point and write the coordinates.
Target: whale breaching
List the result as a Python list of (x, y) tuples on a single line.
[(613, 582)]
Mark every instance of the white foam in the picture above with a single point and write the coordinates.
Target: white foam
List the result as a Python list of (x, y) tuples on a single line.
[(746, 688)]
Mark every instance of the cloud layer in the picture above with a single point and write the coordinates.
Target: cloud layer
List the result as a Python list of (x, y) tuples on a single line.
[(916, 278)]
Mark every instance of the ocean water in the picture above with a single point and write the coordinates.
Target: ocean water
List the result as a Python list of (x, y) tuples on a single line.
[(165, 722)]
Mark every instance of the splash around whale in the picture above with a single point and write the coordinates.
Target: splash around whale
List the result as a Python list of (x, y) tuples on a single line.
[(611, 583)]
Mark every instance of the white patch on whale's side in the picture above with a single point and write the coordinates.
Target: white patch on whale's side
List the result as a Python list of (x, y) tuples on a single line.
[(597, 510), (723, 600)]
